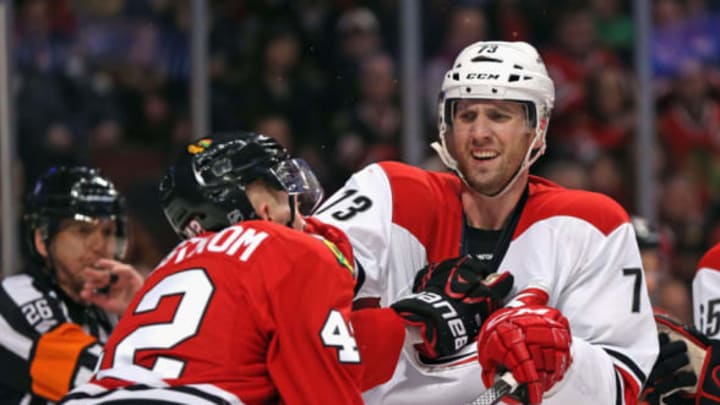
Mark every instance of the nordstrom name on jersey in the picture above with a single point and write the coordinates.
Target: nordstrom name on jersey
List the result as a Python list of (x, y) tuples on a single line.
[(234, 241)]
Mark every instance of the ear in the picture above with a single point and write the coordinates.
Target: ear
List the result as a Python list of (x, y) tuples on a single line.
[(262, 209), (40, 243)]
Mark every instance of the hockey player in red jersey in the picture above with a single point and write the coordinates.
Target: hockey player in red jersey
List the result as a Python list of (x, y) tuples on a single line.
[(494, 109), (248, 310)]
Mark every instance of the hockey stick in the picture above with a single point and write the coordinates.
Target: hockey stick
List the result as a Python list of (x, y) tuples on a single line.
[(504, 385)]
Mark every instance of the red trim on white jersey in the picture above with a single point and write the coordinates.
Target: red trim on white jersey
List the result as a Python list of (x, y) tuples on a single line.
[(631, 388), (711, 259), (430, 191), (551, 200)]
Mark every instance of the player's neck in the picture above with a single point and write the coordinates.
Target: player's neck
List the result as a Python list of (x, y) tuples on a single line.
[(491, 213)]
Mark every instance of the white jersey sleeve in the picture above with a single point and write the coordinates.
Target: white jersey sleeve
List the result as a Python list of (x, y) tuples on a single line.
[(706, 294), (363, 209), (604, 297)]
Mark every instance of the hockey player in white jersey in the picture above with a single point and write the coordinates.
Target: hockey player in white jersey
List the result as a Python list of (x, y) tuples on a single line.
[(706, 294), (494, 109)]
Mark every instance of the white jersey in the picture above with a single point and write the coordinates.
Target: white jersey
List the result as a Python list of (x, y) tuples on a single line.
[(579, 244), (706, 294)]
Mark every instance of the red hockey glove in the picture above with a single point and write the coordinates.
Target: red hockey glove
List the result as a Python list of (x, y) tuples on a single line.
[(451, 305), (532, 342), (687, 371)]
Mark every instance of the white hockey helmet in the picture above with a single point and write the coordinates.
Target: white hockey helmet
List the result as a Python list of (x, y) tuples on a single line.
[(498, 70)]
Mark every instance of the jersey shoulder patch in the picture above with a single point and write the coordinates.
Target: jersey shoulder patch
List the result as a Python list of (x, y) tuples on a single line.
[(548, 199), (339, 256)]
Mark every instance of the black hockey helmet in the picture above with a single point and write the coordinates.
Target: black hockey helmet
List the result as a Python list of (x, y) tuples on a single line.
[(79, 193), (205, 189), (645, 233)]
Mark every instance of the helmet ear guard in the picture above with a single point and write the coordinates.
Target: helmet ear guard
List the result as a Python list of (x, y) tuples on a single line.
[(508, 71)]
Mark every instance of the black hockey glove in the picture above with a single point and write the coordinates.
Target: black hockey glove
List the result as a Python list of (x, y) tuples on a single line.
[(452, 299), (687, 369), (453, 275)]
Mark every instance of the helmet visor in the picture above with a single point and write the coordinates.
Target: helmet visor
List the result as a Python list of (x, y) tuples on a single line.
[(112, 229), (297, 178)]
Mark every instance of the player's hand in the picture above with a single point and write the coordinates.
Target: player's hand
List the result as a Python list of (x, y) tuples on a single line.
[(532, 342), (455, 276), (111, 285), (450, 314), (685, 354), (666, 377)]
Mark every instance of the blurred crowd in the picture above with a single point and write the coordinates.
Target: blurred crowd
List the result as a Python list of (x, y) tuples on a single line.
[(106, 83)]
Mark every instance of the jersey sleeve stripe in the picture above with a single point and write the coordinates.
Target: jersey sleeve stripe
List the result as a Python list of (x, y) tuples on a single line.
[(13, 340), (86, 364), (631, 388), (132, 373), (13, 317), (13, 373), (20, 289), (200, 394), (210, 392), (618, 389), (627, 363)]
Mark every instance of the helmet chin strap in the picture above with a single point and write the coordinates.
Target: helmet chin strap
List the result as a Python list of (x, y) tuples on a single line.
[(49, 262), (52, 269), (292, 202), (523, 166), (449, 161)]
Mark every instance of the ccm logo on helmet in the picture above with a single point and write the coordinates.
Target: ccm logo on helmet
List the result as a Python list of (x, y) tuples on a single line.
[(455, 324), (482, 76)]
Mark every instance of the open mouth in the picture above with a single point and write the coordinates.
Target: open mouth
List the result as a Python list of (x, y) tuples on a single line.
[(484, 155)]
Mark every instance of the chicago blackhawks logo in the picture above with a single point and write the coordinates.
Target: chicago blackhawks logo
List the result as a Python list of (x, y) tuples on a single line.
[(339, 256), (199, 146)]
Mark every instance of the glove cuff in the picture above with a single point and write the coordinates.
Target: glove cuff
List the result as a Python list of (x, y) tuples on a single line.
[(709, 389)]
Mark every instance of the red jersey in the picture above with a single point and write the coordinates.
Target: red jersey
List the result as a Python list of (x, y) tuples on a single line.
[(257, 312)]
